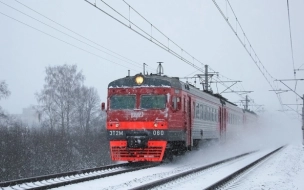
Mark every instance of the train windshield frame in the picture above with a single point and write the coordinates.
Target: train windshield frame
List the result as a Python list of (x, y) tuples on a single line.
[(153, 101), (118, 102)]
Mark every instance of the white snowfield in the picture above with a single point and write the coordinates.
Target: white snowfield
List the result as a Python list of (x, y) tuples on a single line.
[(283, 170)]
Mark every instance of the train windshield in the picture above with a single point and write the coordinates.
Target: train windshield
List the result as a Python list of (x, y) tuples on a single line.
[(122, 102), (153, 101)]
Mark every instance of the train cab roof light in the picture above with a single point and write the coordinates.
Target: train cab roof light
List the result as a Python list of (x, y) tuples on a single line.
[(139, 79)]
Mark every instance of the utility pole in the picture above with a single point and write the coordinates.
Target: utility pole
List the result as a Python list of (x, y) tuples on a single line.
[(206, 77), (246, 102)]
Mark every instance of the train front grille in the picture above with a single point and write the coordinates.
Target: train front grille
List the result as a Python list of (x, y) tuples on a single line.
[(154, 151)]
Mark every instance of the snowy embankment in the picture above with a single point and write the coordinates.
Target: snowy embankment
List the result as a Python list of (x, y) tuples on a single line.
[(283, 170)]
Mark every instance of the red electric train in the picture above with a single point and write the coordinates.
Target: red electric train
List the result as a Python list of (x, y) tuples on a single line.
[(150, 117)]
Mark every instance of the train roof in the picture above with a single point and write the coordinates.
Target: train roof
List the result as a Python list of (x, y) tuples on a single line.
[(149, 80)]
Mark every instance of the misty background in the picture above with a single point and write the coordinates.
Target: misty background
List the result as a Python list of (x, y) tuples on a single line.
[(37, 35)]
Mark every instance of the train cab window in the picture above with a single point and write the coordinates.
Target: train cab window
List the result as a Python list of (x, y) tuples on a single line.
[(153, 101), (176, 103), (122, 102)]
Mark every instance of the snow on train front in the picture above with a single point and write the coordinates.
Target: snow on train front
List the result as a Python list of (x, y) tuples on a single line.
[(137, 118)]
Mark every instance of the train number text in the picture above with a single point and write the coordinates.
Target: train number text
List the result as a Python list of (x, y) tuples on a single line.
[(158, 132), (116, 133)]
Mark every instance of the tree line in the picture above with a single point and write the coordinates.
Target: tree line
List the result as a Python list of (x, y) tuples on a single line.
[(70, 134)]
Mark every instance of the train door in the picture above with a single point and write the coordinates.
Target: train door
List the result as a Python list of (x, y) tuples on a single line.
[(188, 120), (220, 120), (223, 122)]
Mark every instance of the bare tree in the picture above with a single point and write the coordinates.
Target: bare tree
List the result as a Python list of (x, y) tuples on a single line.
[(4, 93), (58, 97), (86, 107)]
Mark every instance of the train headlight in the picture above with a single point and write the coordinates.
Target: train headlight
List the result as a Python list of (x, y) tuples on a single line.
[(159, 123), (113, 124), (139, 79)]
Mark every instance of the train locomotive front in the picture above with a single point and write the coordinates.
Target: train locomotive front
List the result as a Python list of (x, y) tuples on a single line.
[(137, 117)]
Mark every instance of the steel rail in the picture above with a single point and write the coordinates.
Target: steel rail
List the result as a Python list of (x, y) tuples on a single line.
[(174, 177), (69, 175), (240, 171)]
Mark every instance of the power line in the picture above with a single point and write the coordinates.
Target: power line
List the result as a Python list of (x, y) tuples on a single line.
[(127, 22), (251, 52), (129, 60), (293, 65), (291, 46), (61, 40)]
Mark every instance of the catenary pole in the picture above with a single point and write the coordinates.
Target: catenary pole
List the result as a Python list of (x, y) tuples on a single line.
[(206, 77)]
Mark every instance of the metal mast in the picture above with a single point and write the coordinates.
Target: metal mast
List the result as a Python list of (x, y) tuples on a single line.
[(246, 102), (206, 77)]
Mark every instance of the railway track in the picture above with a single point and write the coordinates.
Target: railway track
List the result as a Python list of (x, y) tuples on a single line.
[(62, 179), (172, 182)]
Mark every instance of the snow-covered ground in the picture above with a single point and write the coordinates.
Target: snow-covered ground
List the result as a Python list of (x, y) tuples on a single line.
[(283, 170)]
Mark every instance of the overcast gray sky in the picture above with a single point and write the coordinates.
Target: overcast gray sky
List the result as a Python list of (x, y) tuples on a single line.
[(196, 26)]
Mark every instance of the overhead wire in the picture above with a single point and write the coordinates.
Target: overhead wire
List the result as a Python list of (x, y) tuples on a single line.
[(129, 60), (131, 25), (293, 64), (171, 40), (292, 54), (253, 55), (70, 44)]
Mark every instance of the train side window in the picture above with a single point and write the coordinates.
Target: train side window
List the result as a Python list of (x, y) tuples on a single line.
[(229, 118), (212, 115), (179, 103), (197, 111), (194, 110), (206, 113), (176, 103), (201, 111)]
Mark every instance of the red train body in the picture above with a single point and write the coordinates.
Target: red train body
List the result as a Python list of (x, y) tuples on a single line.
[(150, 116)]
